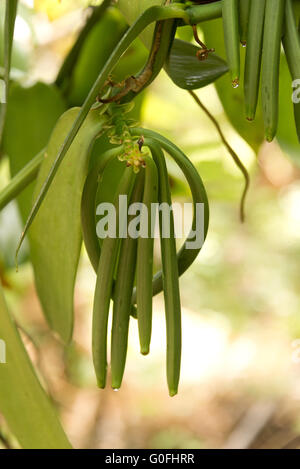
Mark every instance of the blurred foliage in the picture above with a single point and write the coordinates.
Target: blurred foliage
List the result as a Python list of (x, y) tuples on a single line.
[(32, 114), (240, 299), (56, 8)]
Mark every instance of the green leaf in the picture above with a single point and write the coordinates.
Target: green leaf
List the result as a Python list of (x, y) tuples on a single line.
[(56, 233), (190, 73), (23, 402), (31, 116), (233, 98)]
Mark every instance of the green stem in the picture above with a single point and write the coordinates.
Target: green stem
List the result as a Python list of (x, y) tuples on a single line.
[(21, 180), (200, 13)]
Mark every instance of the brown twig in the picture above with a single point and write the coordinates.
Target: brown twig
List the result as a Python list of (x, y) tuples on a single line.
[(202, 53), (233, 154)]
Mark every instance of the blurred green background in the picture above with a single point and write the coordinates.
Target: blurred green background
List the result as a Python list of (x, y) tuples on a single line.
[(240, 382)]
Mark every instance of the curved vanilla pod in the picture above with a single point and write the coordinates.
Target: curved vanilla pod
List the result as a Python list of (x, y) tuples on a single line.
[(244, 8), (144, 270), (187, 255), (104, 285), (253, 56), (122, 295), (291, 40), (273, 29), (230, 12), (88, 209), (170, 273)]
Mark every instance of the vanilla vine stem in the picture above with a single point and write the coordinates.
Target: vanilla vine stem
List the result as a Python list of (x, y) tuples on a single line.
[(153, 14), (18, 183)]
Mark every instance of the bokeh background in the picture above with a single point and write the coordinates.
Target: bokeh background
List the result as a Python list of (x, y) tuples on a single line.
[(240, 382)]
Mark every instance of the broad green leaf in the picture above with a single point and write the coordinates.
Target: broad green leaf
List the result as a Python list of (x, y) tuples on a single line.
[(56, 233), (31, 116), (23, 402), (93, 56), (233, 98), (190, 73)]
